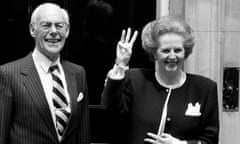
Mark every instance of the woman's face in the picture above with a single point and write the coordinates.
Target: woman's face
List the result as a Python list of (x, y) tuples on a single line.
[(170, 53)]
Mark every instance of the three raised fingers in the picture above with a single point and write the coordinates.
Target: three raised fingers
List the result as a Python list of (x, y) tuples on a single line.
[(125, 37)]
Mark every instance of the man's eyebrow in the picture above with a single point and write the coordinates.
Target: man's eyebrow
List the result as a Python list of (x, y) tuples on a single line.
[(47, 22), (60, 22)]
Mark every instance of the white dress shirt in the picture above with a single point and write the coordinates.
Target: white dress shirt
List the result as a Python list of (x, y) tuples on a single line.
[(42, 64)]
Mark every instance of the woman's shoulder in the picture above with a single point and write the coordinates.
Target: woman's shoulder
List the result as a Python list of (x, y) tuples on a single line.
[(200, 80), (140, 71), (140, 75)]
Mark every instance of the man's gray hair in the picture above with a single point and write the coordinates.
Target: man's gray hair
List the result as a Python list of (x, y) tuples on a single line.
[(36, 12)]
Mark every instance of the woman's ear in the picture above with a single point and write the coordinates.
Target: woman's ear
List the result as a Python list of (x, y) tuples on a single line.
[(154, 55), (32, 28)]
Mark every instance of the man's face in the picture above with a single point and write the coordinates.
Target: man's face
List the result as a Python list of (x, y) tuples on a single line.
[(50, 32)]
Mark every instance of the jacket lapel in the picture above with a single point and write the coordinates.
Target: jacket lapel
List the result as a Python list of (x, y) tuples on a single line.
[(33, 85), (73, 93)]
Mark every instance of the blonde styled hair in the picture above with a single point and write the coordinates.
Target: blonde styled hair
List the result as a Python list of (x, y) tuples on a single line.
[(166, 24)]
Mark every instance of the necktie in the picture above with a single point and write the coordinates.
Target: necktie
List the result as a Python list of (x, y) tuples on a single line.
[(59, 101)]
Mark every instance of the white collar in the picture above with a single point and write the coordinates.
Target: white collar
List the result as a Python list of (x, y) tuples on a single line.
[(43, 61), (174, 86)]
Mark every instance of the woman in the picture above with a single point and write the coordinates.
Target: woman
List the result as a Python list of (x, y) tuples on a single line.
[(165, 105)]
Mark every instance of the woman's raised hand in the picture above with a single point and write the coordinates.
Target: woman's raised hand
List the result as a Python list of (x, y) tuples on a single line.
[(124, 47)]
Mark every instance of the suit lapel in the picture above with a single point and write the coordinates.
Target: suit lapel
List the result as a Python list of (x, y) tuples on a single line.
[(73, 93), (33, 85)]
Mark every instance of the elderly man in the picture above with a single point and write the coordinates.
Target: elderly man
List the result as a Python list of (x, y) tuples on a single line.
[(43, 99)]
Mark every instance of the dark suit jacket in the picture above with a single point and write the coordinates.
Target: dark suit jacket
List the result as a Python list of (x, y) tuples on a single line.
[(142, 98), (25, 117)]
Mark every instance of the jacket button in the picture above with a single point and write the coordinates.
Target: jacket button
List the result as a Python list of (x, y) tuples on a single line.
[(168, 119)]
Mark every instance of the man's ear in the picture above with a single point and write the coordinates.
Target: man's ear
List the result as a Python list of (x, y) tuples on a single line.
[(67, 30), (32, 28)]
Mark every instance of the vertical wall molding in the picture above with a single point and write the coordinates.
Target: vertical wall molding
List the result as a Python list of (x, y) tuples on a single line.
[(162, 8)]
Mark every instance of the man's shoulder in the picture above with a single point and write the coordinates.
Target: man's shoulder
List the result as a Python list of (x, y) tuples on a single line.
[(73, 66), (18, 63)]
